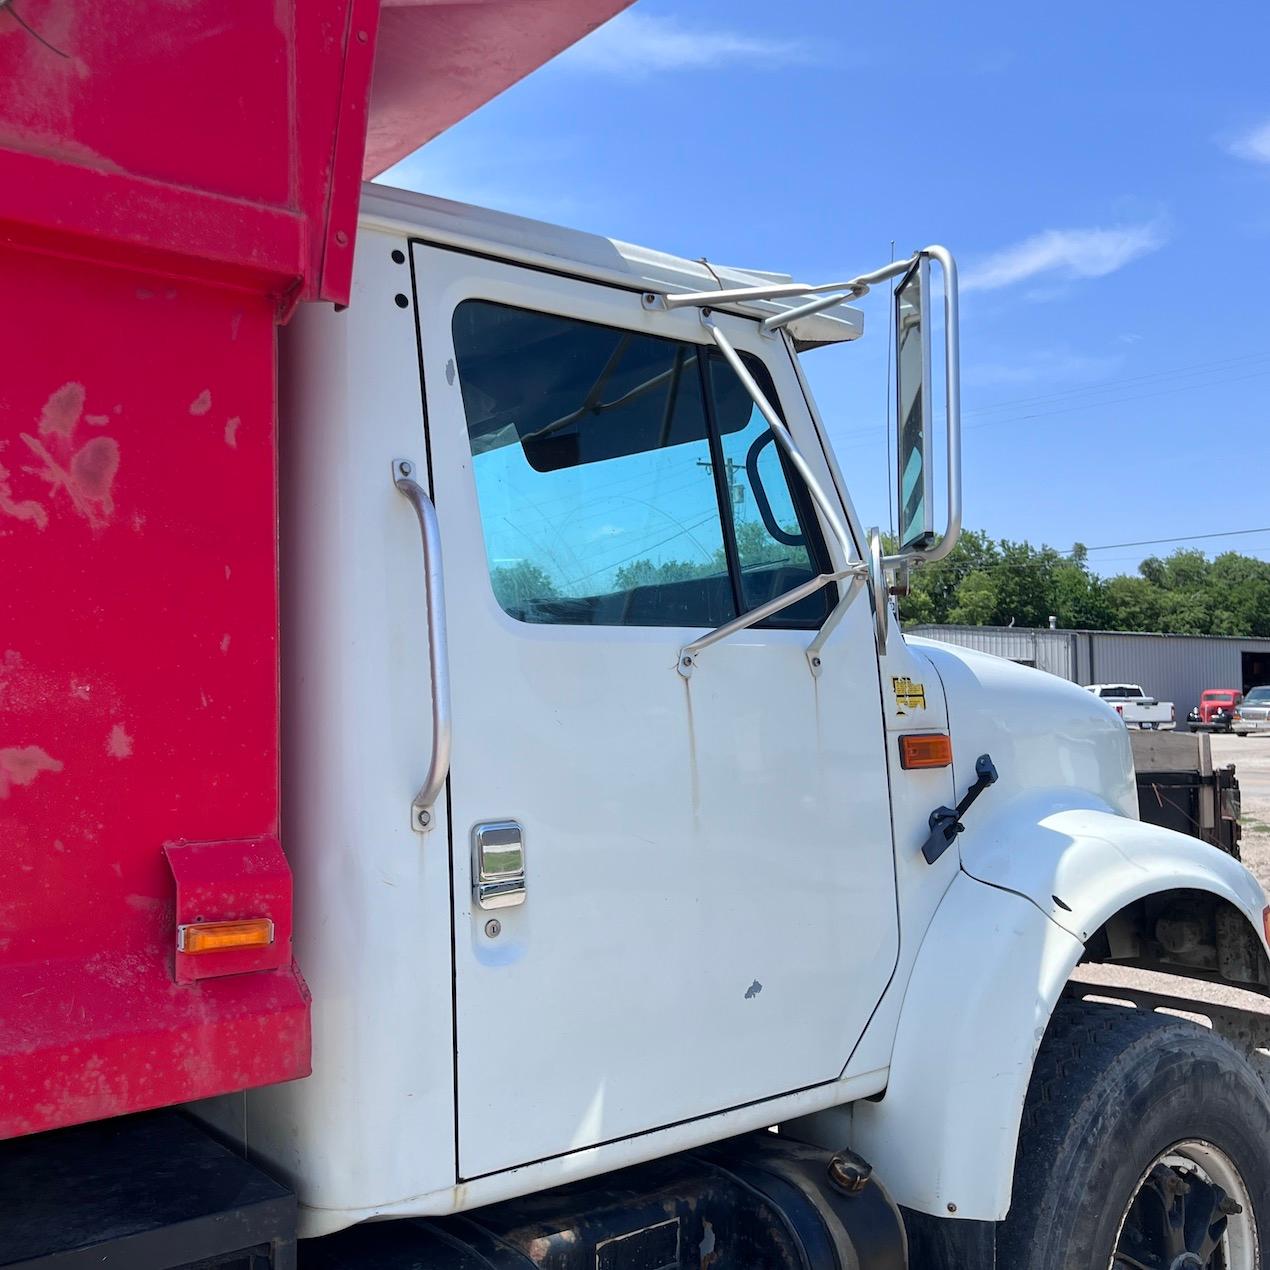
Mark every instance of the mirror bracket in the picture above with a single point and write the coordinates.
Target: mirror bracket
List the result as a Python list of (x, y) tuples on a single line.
[(874, 571), (687, 659)]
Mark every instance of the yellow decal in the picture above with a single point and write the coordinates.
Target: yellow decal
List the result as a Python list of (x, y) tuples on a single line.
[(907, 693)]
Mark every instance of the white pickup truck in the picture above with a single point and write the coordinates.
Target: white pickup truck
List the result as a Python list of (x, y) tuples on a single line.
[(1136, 708)]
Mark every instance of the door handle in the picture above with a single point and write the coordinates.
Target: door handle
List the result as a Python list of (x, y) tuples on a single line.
[(421, 815), (498, 864)]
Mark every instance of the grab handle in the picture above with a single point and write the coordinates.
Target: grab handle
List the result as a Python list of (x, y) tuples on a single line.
[(421, 815)]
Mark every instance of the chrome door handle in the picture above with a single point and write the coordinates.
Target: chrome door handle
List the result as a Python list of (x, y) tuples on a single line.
[(498, 864), (421, 815)]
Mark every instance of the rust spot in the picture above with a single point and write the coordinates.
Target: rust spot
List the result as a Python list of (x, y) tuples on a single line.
[(62, 410), (231, 432), (119, 743), (202, 403), (20, 765)]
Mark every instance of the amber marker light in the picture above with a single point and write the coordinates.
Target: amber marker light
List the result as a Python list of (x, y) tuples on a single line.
[(934, 749), (207, 937), (1265, 922)]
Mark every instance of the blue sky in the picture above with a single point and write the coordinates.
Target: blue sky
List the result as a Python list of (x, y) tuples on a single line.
[(1101, 171)]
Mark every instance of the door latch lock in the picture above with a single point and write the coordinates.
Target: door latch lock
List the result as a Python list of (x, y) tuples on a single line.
[(498, 864), (945, 822)]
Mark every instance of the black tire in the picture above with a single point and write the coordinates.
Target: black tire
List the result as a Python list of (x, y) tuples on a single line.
[(1113, 1089)]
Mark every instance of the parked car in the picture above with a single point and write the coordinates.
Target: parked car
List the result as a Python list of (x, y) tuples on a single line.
[(1253, 713), (1216, 710), (1135, 707)]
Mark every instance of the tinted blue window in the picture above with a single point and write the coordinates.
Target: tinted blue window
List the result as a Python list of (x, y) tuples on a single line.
[(597, 466)]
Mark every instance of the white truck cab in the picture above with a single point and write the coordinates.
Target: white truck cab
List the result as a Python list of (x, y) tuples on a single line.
[(625, 821)]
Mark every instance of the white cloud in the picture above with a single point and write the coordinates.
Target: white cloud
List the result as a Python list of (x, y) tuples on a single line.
[(1065, 254), (1254, 145), (637, 44)]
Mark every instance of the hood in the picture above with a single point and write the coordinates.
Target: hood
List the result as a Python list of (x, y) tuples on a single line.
[(1043, 733)]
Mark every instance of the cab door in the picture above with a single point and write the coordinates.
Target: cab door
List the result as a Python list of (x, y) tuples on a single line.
[(672, 896)]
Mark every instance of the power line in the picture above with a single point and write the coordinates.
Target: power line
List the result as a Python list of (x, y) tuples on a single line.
[(1154, 542), (1184, 372), (1092, 400)]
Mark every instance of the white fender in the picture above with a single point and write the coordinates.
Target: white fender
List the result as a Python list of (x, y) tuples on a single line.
[(1039, 877), (987, 976), (1081, 861)]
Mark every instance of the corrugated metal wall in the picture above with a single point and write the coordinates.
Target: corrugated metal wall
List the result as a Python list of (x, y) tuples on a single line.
[(1055, 651), (1173, 668)]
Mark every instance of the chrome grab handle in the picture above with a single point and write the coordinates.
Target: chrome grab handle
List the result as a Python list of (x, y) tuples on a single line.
[(421, 816)]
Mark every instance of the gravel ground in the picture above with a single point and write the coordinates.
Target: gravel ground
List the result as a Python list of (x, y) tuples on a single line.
[(1251, 757)]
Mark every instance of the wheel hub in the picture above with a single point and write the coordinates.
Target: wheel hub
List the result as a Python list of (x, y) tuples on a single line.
[(1177, 1221)]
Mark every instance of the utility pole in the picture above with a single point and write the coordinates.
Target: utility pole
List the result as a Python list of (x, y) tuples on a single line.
[(735, 486)]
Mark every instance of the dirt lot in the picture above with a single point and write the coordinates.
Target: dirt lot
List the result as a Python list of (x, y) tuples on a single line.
[(1251, 757)]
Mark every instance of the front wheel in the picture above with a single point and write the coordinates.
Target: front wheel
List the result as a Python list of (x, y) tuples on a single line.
[(1145, 1146)]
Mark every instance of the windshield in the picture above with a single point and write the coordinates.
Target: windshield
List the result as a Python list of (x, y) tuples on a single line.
[(1258, 697), (1119, 691)]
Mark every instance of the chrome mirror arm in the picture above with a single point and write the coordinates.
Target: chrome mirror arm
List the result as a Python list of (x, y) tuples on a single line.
[(786, 442), (688, 653), (859, 572)]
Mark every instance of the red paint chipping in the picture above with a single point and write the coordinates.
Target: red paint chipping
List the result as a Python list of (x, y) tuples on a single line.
[(62, 410), (20, 509), (20, 765), (202, 403)]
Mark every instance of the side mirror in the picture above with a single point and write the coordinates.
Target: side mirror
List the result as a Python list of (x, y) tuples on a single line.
[(914, 446), (913, 387)]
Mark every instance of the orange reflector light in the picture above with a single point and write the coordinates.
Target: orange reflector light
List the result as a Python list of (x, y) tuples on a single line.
[(1265, 922), (932, 750), (206, 937)]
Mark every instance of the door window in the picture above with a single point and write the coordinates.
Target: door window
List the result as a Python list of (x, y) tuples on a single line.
[(620, 482)]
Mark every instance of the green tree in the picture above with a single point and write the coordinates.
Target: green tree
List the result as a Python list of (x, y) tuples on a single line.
[(978, 600), (517, 584), (1135, 604)]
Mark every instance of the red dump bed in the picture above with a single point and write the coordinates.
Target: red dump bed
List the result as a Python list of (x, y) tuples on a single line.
[(174, 178)]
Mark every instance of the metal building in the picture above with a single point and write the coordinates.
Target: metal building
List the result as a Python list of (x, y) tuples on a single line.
[(1174, 668)]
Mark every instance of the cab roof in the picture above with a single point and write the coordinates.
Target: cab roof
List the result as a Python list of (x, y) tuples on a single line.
[(538, 244)]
